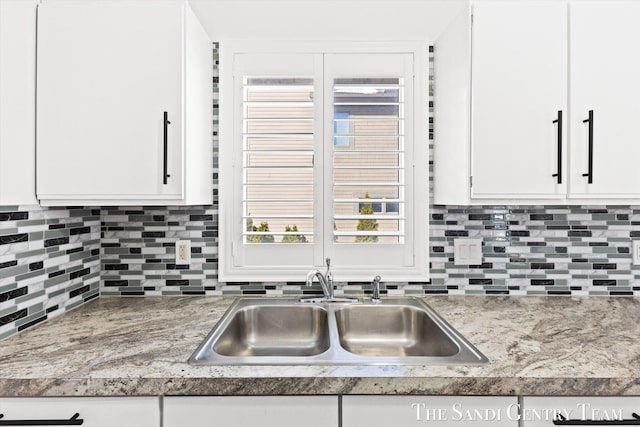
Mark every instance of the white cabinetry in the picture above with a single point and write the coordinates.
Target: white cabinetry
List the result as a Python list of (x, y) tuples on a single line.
[(124, 108), (510, 67), (17, 102), (93, 411), (440, 411), (542, 411), (249, 411), (519, 85), (604, 79)]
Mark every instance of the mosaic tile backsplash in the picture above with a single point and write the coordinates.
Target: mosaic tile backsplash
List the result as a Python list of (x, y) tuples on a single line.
[(527, 250), (52, 260), (49, 263)]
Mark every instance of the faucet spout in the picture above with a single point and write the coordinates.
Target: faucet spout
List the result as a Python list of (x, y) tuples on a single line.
[(312, 275), (326, 282)]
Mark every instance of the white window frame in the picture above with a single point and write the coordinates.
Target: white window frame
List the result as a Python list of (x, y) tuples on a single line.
[(233, 263)]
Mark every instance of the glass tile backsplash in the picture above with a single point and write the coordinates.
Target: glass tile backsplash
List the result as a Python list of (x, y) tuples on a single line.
[(49, 263)]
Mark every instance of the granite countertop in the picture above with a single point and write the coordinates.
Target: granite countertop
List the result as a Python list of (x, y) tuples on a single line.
[(140, 346)]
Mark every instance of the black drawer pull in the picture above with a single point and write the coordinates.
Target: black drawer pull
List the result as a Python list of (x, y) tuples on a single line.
[(589, 174), (562, 421), (75, 420), (559, 122), (165, 175)]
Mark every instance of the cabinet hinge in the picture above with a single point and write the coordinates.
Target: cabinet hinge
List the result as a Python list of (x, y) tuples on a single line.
[(233, 249), (470, 181), (472, 19)]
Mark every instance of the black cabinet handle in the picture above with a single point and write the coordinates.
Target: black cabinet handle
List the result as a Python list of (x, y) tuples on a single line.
[(75, 420), (559, 122), (562, 421), (590, 173), (165, 175)]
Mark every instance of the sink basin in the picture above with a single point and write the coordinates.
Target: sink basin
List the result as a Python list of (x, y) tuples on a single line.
[(273, 330), (392, 330), (280, 331)]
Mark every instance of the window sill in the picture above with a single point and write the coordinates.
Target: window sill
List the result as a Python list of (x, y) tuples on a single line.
[(298, 274)]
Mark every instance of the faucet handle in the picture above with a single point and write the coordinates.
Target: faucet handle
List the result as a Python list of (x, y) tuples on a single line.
[(328, 262), (375, 285)]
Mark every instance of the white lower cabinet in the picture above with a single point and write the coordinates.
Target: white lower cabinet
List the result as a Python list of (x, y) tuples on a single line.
[(542, 411), (249, 411), (440, 411), (85, 411), (320, 411)]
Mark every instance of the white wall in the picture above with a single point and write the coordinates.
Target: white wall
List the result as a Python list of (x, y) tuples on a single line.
[(325, 19)]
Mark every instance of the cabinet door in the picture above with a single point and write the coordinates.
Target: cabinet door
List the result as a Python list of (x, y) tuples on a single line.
[(604, 79), (93, 411), (519, 73), (440, 411), (107, 72), (249, 411), (542, 411), (17, 102)]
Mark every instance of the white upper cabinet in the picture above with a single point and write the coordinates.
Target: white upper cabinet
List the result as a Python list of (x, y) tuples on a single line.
[(519, 83), (605, 70), (535, 70), (124, 105), (18, 102)]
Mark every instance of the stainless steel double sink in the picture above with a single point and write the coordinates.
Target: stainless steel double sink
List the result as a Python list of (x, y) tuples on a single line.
[(401, 331)]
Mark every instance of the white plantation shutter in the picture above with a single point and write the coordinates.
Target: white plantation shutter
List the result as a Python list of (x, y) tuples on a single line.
[(369, 168), (278, 139), (369, 98), (324, 156)]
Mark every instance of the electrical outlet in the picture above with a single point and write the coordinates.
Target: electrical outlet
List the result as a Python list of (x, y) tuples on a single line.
[(467, 251), (183, 252), (635, 252)]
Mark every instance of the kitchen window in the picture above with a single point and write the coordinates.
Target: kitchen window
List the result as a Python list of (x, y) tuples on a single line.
[(323, 153)]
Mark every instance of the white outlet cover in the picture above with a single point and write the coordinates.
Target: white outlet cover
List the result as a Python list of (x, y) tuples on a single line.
[(183, 252), (467, 251), (635, 252)]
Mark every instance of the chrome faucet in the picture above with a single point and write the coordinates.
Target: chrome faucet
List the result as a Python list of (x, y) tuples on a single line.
[(326, 280), (375, 295)]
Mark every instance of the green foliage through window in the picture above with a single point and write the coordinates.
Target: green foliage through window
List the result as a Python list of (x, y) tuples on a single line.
[(262, 238), (293, 238), (367, 224)]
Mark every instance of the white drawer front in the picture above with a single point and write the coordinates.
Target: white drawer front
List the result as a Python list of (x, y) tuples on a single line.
[(94, 411), (440, 411), (541, 411), (250, 411)]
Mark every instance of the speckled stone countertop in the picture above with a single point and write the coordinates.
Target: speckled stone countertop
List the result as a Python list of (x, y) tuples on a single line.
[(140, 346)]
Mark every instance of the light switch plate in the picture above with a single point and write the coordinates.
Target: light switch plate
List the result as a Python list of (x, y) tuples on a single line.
[(635, 252), (467, 251), (183, 252)]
